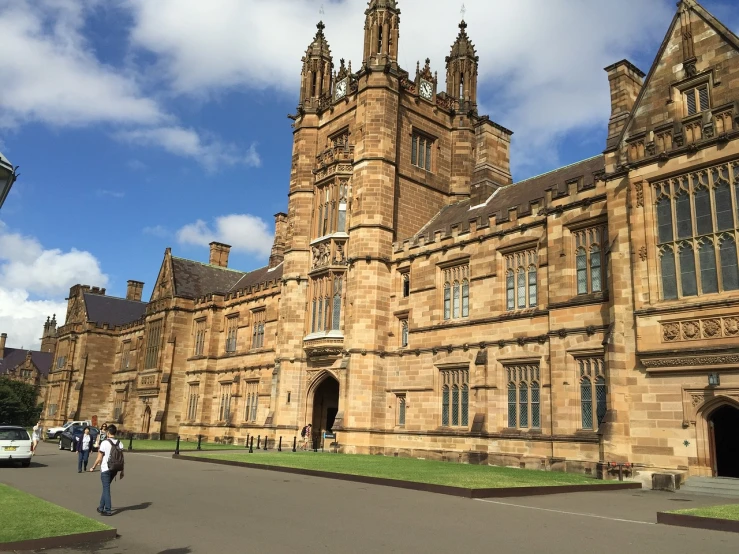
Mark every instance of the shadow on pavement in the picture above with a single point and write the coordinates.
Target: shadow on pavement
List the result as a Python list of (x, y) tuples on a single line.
[(185, 550), (18, 466), (141, 506)]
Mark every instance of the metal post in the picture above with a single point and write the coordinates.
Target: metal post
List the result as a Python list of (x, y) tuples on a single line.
[(279, 446), (259, 441), (200, 438), (251, 445), (246, 442), (265, 442), (177, 448), (620, 472), (130, 442), (295, 442), (315, 444)]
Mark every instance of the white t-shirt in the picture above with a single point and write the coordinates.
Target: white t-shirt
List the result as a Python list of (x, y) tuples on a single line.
[(105, 447), (86, 442)]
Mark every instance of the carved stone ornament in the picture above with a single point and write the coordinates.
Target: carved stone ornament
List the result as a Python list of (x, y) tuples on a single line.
[(323, 351), (690, 69), (639, 188), (708, 328), (696, 400), (726, 359), (731, 326), (643, 253), (691, 330), (711, 328), (670, 332)]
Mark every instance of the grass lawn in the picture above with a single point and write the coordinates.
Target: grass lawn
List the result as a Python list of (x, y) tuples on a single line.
[(170, 445), (412, 469), (26, 517), (729, 511)]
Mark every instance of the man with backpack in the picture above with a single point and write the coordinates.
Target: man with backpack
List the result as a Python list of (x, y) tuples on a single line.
[(306, 433), (110, 460)]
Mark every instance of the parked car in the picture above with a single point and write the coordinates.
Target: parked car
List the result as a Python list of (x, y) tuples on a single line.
[(67, 438), (15, 445), (55, 432)]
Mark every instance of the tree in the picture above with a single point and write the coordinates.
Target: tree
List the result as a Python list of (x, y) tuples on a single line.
[(18, 403)]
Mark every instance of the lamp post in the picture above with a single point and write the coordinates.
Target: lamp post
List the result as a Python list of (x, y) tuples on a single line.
[(8, 176)]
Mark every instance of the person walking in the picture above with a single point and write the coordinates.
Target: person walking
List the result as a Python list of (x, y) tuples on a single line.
[(36, 438), (102, 435), (84, 445), (307, 433), (110, 460)]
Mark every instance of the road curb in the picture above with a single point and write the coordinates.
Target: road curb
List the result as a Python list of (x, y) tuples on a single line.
[(698, 522), (425, 487), (60, 541)]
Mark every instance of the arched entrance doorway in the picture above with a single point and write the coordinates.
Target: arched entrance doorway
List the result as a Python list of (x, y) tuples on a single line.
[(325, 406), (724, 435), (145, 420)]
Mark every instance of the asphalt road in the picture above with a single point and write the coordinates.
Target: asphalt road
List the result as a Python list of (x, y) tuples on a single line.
[(167, 506)]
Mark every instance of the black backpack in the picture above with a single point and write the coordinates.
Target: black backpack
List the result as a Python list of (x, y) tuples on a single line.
[(115, 458), (304, 431)]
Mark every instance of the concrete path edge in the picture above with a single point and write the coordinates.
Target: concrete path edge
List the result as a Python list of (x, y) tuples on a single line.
[(60, 541), (426, 487), (698, 522)]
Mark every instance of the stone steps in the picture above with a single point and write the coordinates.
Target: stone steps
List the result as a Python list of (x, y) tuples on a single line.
[(713, 486)]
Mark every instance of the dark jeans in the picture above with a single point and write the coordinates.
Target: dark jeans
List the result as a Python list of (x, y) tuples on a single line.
[(106, 477), (82, 457)]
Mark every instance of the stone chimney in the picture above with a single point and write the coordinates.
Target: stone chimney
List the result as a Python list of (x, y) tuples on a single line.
[(278, 246), (134, 290), (3, 338), (625, 80), (219, 254)]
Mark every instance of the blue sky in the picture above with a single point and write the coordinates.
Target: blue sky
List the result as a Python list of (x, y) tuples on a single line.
[(140, 125)]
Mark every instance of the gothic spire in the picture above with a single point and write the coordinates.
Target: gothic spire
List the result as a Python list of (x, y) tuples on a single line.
[(461, 69), (316, 73), (381, 33)]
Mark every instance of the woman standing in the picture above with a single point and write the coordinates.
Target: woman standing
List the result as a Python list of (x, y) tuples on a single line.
[(37, 432), (84, 444), (102, 435)]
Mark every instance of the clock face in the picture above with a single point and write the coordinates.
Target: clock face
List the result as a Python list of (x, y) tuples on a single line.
[(426, 90), (340, 89)]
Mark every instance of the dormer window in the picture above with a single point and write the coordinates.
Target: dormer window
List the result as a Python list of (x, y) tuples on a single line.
[(696, 99)]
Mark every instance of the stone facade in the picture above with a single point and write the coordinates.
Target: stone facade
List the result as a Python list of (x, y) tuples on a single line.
[(30, 366), (419, 303)]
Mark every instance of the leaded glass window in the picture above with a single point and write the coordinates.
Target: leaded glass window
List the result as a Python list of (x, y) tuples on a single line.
[(510, 291), (586, 403), (593, 392), (401, 410), (521, 288), (455, 300), (523, 405), (447, 301), (404, 333), (600, 398), (254, 405), (421, 151), (532, 287), (582, 271), (455, 405), (595, 280), (521, 280), (465, 407), (336, 318), (465, 298), (455, 397), (523, 396), (697, 255), (456, 292), (589, 259), (445, 405), (535, 413), (512, 405)]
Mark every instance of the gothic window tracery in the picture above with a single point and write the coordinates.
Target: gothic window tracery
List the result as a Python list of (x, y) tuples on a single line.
[(524, 393), (590, 259), (327, 295), (456, 292), (521, 280), (593, 392), (455, 397)]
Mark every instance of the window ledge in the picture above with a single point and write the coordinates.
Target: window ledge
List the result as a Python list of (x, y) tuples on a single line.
[(337, 235), (324, 335)]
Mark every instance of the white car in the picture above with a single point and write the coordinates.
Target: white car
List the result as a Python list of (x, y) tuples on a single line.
[(15, 445), (56, 432)]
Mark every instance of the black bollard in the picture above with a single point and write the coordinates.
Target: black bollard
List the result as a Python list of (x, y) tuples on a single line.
[(259, 441), (246, 442), (295, 442), (200, 438), (315, 444), (177, 448), (130, 442), (251, 445), (279, 446), (265, 442)]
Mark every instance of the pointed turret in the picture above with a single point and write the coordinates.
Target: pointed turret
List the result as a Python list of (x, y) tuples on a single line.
[(381, 33), (316, 73), (48, 340), (461, 70)]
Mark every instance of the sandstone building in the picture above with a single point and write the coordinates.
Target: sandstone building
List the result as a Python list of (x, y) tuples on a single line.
[(419, 302), (30, 366)]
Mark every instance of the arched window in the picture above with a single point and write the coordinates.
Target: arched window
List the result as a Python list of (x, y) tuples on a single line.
[(523, 405), (447, 300), (401, 410), (319, 327), (533, 300), (319, 226), (669, 278), (722, 201), (582, 271), (512, 405), (664, 220), (461, 86), (336, 316), (682, 209), (465, 405), (729, 269), (510, 291), (455, 405), (341, 225), (586, 403), (247, 412), (254, 401), (535, 411), (600, 399), (687, 271), (707, 257), (445, 405), (703, 217), (595, 275), (455, 297), (465, 298), (521, 287)]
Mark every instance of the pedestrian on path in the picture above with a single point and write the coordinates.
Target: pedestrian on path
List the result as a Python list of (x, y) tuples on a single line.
[(84, 445), (38, 429), (102, 435), (306, 433), (110, 460)]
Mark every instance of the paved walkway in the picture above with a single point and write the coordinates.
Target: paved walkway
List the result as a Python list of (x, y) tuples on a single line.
[(175, 507)]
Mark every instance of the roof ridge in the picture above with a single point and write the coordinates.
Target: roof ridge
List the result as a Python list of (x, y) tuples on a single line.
[(573, 164), (114, 297), (209, 265)]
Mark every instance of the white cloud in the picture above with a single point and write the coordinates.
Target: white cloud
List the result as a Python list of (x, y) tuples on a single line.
[(158, 231), (541, 63), (34, 282), (111, 193), (244, 232), (179, 141)]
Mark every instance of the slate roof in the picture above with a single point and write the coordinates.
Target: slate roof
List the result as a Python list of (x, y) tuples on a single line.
[(112, 310), (195, 279), (16, 356), (518, 195)]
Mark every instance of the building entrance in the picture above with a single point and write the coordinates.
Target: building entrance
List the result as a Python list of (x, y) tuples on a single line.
[(724, 428), (325, 406)]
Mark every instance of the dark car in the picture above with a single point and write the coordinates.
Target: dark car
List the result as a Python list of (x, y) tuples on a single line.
[(67, 442)]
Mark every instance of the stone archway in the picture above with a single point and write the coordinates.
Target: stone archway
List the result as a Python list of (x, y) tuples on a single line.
[(146, 420), (717, 425), (325, 405)]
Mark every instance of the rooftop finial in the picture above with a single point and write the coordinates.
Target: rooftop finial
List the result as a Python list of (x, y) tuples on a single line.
[(463, 11)]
